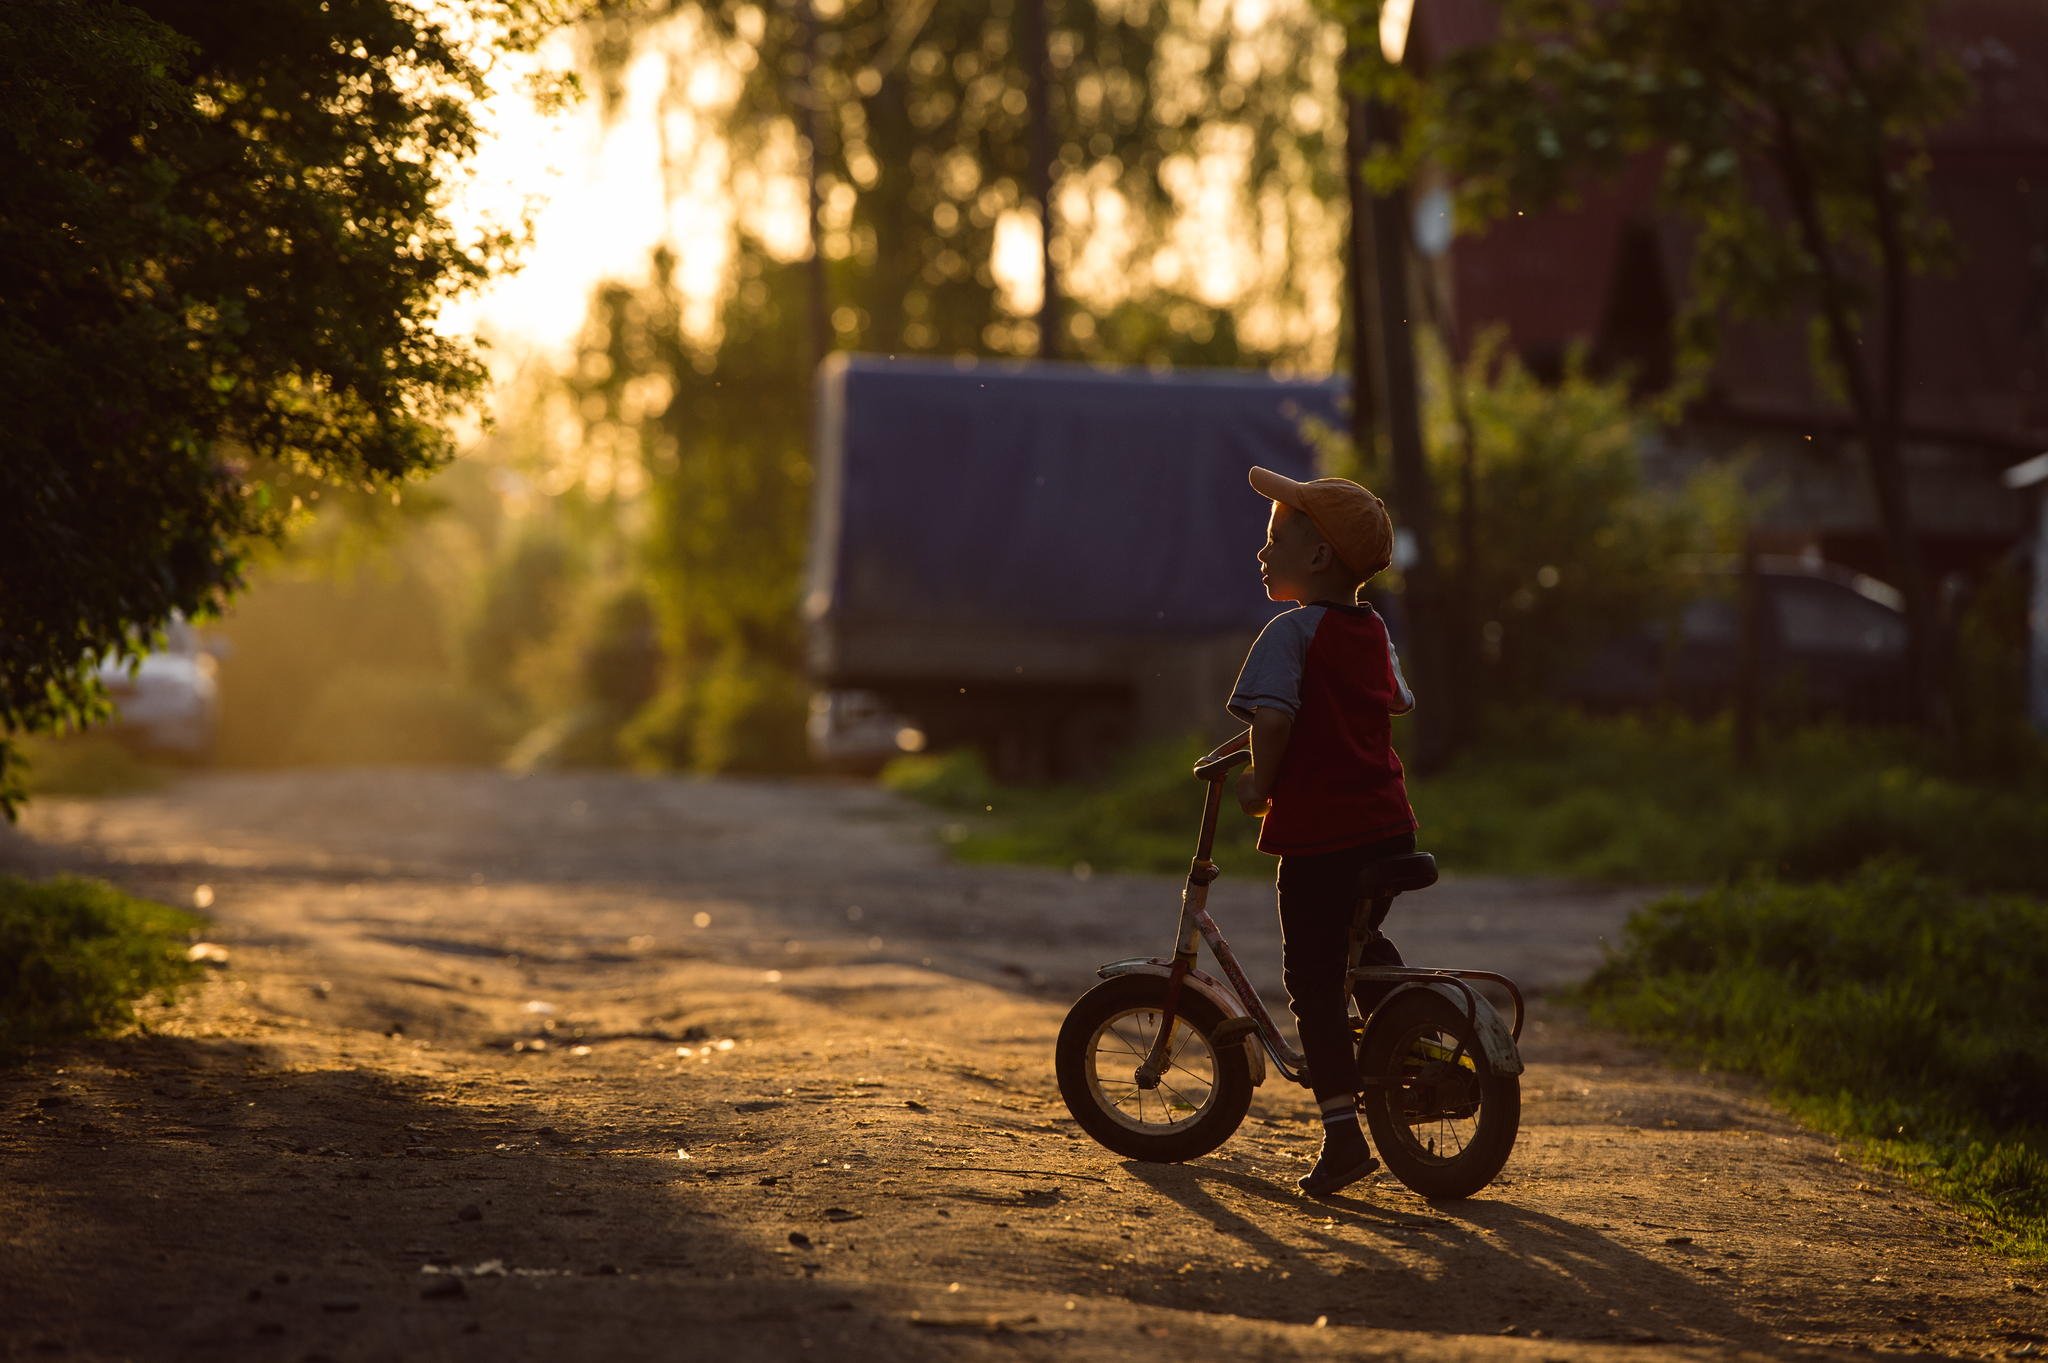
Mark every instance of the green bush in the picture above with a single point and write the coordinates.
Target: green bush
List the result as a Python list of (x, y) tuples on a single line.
[(1658, 801), (1896, 1009), (1662, 800), (75, 954), (589, 681), (956, 780), (520, 603), (1142, 816), (1570, 543), (751, 717), (742, 713)]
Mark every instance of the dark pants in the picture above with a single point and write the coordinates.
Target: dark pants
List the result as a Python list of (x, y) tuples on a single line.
[(1318, 895)]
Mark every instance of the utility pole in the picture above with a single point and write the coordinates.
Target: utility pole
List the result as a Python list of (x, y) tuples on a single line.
[(1358, 283), (1400, 409), (1037, 60)]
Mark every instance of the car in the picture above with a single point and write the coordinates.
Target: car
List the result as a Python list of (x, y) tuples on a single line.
[(855, 732), (167, 701), (1830, 643)]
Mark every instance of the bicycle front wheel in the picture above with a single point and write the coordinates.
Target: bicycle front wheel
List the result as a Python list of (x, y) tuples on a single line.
[(1195, 1106), (1443, 1119)]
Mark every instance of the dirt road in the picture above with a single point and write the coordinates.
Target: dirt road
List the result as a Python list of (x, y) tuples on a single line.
[(578, 1068)]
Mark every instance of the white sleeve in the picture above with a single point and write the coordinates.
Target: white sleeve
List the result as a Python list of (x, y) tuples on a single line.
[(1271, 677)]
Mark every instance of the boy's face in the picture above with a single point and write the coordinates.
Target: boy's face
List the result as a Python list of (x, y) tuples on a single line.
[(1293, 555)]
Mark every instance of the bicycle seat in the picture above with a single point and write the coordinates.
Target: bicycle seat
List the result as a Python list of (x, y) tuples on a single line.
[(1397, 875)]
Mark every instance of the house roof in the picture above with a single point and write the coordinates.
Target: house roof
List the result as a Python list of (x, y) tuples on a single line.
[(1979, 334)]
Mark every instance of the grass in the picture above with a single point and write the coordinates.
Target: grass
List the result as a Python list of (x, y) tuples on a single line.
[(1142, 817), (1876, 949), (1664, 802), (1651, 802), (1897, 1011), (76, 954)]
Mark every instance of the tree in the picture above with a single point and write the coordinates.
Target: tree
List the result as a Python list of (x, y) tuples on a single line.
[(1579, 548), (928, 146), (1792, 141), (222, 249)]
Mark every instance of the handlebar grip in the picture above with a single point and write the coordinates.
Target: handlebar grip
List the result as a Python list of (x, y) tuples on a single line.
[(1216, 768)]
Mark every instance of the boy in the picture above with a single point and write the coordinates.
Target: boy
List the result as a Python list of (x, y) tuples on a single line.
[(1318, 689)]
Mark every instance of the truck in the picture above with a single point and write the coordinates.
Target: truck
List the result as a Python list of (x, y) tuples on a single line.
[(1045, 562)]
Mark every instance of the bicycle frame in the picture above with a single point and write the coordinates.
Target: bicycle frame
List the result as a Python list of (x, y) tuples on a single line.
[(1196, 925)]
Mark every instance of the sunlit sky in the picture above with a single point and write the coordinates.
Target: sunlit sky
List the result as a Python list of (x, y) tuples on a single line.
[(601, 193), (591, 190)]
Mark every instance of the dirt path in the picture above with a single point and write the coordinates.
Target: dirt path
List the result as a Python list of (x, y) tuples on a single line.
[(590, 1068)]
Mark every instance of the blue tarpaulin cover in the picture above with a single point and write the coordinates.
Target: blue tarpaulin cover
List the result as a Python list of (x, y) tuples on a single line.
[(1050, 495)]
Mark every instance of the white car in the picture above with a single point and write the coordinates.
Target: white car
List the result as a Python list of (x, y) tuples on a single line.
[(169, 701), (854, 731)]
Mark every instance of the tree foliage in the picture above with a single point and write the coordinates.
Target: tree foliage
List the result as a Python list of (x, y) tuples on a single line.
[(922, 120), (222, 249), (1570, 544), (922, 127), (1746, 107), (1792, 140)]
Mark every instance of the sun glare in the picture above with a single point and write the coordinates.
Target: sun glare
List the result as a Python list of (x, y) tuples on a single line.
[(1018, 265), (599, 194)]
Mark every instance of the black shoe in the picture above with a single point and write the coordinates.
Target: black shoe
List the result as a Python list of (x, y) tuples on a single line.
[(1345, 1160)]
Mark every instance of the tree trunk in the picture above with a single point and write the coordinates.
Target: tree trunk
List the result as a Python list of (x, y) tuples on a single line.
[(1749, 658), (1359, 287), (1414, 497), (1461, 646), (820, 301), (1876, 414), (1038, 75), (1888, 474)]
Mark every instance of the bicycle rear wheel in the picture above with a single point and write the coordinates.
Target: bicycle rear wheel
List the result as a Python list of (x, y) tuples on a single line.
[(1197, 1103), (1442, 1118)]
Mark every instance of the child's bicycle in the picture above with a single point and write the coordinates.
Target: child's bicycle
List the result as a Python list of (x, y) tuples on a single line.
[(1157, 1061)]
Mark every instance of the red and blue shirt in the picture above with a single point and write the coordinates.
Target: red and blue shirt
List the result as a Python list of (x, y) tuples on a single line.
[(1334, 670)]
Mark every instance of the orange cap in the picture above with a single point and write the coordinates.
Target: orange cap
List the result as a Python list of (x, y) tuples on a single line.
[(1353, 520)]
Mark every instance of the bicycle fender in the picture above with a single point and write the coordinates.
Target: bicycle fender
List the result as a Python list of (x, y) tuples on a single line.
[(1494, 1037), (1205, 984)]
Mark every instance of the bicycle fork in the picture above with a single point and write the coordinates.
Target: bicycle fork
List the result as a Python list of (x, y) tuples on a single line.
[(1194, 900)]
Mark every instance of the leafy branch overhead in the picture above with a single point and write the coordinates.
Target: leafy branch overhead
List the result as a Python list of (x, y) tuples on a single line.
[(222, 254), (1790, 142), (1752, 114)]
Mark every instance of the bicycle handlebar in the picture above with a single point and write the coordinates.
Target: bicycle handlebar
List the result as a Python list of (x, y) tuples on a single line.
[(1225, 759)]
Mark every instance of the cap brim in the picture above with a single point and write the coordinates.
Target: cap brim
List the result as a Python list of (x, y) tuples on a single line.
[(1277, 487)]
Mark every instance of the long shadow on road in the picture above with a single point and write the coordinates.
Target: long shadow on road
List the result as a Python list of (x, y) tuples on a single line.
[(1391, 1268), (173, 1198)]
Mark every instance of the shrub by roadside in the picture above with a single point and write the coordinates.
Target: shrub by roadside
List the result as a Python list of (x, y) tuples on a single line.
[(1888, 985), (1555, 793), (76, 954), (1656, 800), (1142, 817), (1892, 1009)]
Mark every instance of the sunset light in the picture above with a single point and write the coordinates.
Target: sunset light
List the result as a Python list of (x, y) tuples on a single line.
[(1007, 680)]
